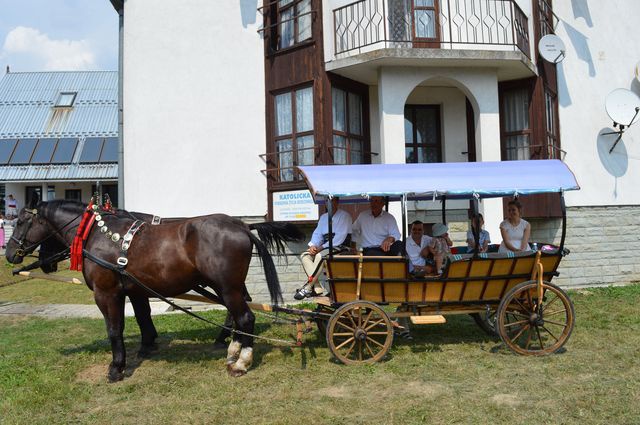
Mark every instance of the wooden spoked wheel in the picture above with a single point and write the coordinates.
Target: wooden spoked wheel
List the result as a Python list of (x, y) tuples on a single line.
[(534, 327), (359, 332)]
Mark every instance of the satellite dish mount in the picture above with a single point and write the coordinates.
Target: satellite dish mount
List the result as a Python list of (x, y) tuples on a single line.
[(623, 107)]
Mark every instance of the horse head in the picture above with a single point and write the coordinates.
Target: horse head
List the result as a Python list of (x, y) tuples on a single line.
[(30, 230)]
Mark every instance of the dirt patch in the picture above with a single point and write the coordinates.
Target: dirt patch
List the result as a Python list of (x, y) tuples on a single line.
[(509, 400), (423, 389), (94, 374), (335, 392)]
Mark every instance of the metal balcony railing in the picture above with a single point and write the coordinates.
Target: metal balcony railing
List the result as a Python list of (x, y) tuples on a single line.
[(447, 24)]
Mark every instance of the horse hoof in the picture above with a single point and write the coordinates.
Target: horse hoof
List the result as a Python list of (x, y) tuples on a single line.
[(234, 372), (115, 376)]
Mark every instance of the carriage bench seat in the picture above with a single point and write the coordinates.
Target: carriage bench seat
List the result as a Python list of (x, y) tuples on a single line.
[(383, 279)]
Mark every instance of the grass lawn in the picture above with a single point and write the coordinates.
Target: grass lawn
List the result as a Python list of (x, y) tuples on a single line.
[(38, 291), (54, 371)]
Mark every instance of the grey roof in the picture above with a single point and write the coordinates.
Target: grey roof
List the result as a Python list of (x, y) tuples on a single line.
[(58, 172), (27, 110), (27, 102)]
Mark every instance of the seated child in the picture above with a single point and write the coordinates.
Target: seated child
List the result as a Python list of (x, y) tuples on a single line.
[(484, 239), (440, 244)]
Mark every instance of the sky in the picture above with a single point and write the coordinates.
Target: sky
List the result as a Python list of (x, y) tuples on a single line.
[(58, 35)]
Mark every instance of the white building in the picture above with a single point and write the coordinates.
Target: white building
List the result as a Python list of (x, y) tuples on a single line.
[(221, 99)]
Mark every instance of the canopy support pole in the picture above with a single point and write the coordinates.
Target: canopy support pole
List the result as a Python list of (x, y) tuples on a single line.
[(563, 207), (330, 225), (403, 203), (475, 229), (444, 208)]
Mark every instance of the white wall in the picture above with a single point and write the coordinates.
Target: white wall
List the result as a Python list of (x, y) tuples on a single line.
[(194, 108), (602, 50)]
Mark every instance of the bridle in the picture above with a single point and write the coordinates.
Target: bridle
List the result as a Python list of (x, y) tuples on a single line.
[(33, 213)]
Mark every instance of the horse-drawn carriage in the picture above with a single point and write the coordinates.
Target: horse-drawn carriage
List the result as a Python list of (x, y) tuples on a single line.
[(511, 294)]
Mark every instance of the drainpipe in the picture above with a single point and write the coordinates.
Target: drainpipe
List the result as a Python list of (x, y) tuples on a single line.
[(121, 203)]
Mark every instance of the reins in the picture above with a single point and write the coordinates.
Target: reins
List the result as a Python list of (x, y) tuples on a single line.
[(21, 251)]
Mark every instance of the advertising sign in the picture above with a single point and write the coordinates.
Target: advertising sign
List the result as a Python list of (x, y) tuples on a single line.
[(294, 205)]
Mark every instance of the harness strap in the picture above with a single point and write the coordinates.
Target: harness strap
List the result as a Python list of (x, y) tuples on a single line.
[(126, 242)]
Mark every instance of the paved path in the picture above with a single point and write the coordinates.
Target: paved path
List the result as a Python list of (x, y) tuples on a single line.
[(91, 310)]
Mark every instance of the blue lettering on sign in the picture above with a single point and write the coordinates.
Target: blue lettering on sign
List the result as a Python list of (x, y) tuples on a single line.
[(294, 196)]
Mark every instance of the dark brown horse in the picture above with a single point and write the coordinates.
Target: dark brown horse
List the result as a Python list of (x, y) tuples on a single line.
[(170, 258)]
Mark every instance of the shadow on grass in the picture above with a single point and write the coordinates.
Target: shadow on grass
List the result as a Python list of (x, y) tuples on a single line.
[(197, 344)]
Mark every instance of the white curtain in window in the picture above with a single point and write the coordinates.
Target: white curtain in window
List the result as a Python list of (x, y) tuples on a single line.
[(304, 20), (283, 114), (356, 151), (304, 110), (516, 110), (285, 159), (518, 147), (355, 114), (287, 26), (305, 150), (339, 149), (339, 116), (425, 20)]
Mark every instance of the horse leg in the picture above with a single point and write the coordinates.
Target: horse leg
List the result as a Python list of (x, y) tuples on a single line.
[(148, 331), (112, 308), (225, 332), (240, 353)]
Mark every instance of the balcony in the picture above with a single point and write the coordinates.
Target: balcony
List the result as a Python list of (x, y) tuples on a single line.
[(444, 31)]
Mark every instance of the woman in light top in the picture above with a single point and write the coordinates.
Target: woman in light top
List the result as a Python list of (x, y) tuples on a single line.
[(515, 230)]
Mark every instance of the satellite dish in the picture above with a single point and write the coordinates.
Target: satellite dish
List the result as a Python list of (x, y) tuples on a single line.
[(638, 71), (622, 106), (551, 48)]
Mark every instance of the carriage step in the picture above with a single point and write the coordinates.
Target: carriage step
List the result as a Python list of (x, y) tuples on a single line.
[(428, 320)]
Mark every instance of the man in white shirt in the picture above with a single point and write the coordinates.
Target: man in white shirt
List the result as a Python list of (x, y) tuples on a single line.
[(377, 230), (312, 258), (418, 249)]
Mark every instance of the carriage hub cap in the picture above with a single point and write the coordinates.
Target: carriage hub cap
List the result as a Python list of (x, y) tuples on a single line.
[(361, 334)]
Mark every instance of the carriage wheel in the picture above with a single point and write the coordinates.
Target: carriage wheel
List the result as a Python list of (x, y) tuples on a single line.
[(535, 327), (486, 321), (359, 332)]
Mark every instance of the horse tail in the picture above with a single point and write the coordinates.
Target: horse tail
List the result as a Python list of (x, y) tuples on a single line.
[(274, 234), (270, 272)]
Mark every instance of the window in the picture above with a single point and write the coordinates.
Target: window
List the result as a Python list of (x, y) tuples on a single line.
[(293, 22), (348, 128), (73, 195), (551, 125), (51, 193), (66, 99), (422, 134), (6, 150), (23, 152), (515, 123), (44, 151), (64, 151), (92, 149), (424, 16), (294, 141), (546, 17), (33, 195)]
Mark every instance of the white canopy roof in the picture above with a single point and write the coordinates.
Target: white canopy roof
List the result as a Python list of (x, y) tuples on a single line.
[(453, 180)]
